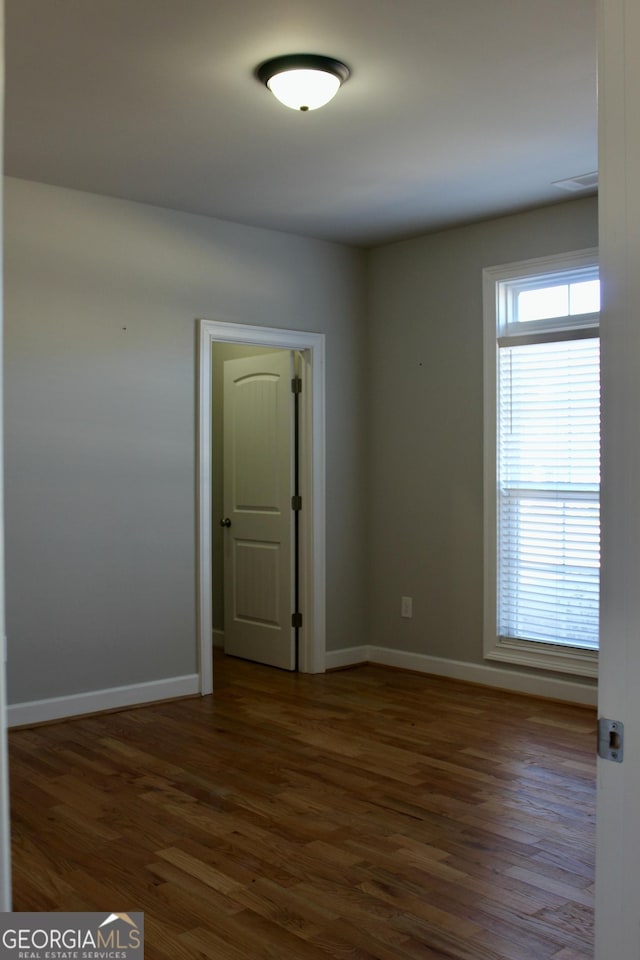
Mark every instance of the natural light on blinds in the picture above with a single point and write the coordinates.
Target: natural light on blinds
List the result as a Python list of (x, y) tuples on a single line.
[(548, 483)]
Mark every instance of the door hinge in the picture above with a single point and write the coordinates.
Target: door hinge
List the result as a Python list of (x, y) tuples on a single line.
[(296, 619), (296, 502), (610, 739), (296, 385)]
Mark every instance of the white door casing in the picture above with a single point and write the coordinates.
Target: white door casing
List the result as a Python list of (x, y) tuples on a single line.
[(258, 484), (5, 834), (312, 576), (618, 811)]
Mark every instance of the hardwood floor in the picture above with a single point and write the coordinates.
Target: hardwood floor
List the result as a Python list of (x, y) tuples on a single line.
[(363, 814)]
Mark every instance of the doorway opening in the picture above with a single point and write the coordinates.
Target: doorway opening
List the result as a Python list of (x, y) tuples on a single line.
[(311, 519)]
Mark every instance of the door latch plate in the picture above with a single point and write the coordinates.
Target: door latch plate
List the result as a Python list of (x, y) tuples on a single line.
[(610, 739)]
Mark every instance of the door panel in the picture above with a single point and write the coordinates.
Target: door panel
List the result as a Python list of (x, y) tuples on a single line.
[(256, 572), (258, 552)]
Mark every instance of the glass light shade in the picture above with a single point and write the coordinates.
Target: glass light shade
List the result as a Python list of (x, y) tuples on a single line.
[(304, 89)]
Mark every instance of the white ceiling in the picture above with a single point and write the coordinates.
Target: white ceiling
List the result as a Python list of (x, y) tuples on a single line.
[(456, 109)]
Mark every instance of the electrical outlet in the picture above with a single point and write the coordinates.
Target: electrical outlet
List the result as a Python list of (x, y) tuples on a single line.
[(406, 607)]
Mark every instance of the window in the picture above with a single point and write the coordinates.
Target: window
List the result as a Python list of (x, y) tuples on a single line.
[(542, 463)]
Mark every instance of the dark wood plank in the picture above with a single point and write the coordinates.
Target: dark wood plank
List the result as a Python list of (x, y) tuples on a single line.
[(367, 814)]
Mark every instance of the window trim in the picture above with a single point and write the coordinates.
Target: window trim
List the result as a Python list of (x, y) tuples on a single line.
[(526, 653)]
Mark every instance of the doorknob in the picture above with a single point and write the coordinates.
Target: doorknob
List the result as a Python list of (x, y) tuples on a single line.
[(226, 522)]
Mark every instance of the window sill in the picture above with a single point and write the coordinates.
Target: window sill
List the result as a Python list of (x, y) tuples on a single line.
[(544, 656)]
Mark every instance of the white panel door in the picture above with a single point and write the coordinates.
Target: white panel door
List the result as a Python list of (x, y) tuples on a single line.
[(618, 836), (258, 473)]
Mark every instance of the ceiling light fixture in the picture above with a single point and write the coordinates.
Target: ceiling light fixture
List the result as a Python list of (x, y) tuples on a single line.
[(303, 81)]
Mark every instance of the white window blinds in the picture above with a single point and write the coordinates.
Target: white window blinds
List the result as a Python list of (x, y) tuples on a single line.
[(548, 491)]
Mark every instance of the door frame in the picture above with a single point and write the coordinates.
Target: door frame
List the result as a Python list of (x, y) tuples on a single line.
[(312, 547)]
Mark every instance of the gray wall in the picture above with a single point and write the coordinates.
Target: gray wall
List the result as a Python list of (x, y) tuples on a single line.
[(101, 301), (425, 422)]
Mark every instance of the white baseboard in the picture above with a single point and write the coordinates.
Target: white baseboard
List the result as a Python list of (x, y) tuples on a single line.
[(334, 659), (217, 638), (96, 701), (516, 681)]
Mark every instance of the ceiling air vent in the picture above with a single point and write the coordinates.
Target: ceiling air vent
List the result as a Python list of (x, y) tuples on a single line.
[(586, 181)]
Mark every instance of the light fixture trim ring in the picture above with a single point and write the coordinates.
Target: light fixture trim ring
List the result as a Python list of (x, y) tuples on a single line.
[(302, 61)]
